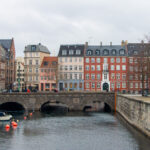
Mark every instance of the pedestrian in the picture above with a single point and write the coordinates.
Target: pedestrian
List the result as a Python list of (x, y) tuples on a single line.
[(28, 91)]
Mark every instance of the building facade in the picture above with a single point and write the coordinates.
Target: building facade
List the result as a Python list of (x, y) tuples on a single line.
[(48, 74), (71, 67), (9, 46), (105, 68), (33, 56), (138, 67), (2, 67), (20, 73)]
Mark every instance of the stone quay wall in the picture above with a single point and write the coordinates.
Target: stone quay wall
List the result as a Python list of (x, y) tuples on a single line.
[(135, 111)]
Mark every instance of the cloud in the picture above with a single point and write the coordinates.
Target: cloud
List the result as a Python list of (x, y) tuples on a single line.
[(73, 21)]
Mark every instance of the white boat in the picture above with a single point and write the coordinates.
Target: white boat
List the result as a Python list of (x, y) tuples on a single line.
[(4, 116)]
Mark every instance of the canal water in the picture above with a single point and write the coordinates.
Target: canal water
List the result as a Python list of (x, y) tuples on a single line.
[(74, 131)]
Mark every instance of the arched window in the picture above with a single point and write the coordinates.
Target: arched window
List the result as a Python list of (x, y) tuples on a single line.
[(97, 52), (89, 52), (122, 52), (106, 52), (113, 52)]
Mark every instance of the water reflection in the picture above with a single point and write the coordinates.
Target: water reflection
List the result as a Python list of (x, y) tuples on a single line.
[(73, 131)]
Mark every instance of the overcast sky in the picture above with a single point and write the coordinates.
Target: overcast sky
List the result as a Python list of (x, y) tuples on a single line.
[(55, 22)]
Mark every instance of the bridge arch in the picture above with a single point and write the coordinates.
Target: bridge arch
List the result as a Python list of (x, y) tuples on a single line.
[(12, 107), (54, 106)]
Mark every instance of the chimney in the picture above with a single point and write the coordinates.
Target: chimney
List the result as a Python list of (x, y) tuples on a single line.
[(39, 43), (86, 44), (101, 43), (110, 43), (122, 43), (142, 41)]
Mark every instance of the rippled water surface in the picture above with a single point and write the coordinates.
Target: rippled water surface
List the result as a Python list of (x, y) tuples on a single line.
[(76, 131)]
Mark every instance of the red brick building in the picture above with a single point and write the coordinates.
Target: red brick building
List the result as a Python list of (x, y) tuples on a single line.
[(105, 68), (48, 74)]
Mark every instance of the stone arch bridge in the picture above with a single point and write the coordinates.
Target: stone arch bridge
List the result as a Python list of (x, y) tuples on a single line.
[(76, 101)]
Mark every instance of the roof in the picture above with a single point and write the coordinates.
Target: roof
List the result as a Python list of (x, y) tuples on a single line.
[(72, 47), (136, 48), (37, 48), (6, 43), (49, 61), (99, 50)]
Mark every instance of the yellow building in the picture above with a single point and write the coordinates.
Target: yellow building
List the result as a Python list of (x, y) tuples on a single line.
[(33, 56)]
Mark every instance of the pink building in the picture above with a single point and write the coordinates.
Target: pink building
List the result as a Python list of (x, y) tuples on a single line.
[(48, 74)]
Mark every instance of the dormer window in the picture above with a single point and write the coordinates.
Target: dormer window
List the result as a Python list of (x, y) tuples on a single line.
[(89, 52), (71, 52), (105, 52), (135, 52), (122, 52), (33, 47), (113, 52), (97, 52), (45, 63), (64, 52), (78, 52)]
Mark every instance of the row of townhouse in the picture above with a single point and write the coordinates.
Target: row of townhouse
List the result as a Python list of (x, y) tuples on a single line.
[(85, 67)]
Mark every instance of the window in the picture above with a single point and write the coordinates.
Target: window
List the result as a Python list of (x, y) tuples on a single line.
[(71, 52), (123, 76), (131, 60), (66, 67), (98, 60), (75, 76), (66, 59), (105, 60), (118, 76), (78, 52), (45, 63), (98, 76), (87, 85), (112, 76), (92, 60), (75, 68), (112, 67), (131, 85), (123, 60), (80, 59), (75, 85), (41, 77), (135, 52), (98, 67), (118, 85), (112, 60), (66, 85), (80, 76), (93, 85), (105, 52), (92, 67), (70, 59), (47, 86), (97, 52), (30, 62), (131, 77), (87, 60), (70, 85), (112, 85), (136, 85), (80, 68), (37, 70), (131, 68), (70, 67), (105, 76), (80, 85), (33, 47), (113, 52), (87, 76), (65, 76), (60, 59), (30, 69), (117, 60), (118, 67), (41, 70), (123, 67), (70, 75), (75, 60), (61, 68), (123, 85), (37, 54), (98, 85), (92, 76), (30, 78), (87, 67), (37, 62), (64, 52), (89, 52), (122, 52)]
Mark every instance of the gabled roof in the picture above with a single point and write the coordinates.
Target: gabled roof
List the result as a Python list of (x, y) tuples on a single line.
[(6, 43), (38, 48)]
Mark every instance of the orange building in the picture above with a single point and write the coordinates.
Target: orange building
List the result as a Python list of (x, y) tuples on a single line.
[(48, 74)]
